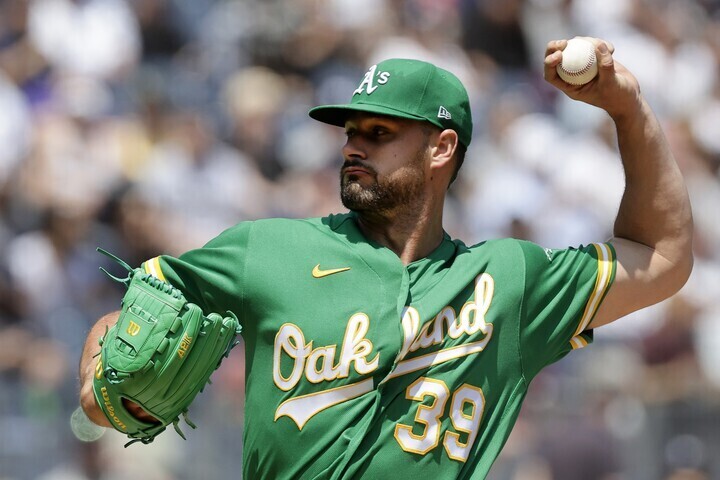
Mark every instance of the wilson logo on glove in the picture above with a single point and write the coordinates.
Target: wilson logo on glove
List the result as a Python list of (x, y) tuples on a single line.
[(110, 410), (133, 329), (184, 346)]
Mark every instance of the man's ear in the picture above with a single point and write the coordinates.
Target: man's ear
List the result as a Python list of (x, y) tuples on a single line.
[(444, 148)]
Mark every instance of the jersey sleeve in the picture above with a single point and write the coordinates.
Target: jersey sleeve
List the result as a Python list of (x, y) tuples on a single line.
[(562, 292), (211, 276)]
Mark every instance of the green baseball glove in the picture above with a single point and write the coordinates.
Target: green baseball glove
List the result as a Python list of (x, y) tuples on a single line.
[(159, 355)]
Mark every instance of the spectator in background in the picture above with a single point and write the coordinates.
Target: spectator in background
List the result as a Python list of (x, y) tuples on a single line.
[(95, 38), (492, 29)]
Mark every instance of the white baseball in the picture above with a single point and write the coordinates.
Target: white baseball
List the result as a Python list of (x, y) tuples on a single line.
[(83, 428), (579, 64)]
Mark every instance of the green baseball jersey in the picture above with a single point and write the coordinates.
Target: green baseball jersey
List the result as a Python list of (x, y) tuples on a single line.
[(361, 367)]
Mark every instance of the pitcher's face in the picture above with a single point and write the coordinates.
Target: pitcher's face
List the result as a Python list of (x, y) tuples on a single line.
[(386, 162)]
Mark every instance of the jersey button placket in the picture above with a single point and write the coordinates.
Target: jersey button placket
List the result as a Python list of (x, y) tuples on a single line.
[(403, 300)]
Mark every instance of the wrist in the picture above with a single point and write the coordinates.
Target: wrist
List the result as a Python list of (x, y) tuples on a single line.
[(630, 111), (90, 406)]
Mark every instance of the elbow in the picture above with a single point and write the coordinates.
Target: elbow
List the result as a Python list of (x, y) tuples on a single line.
[(687, 267), (686, 261), (684, 265), (680, 272), (679, 258)]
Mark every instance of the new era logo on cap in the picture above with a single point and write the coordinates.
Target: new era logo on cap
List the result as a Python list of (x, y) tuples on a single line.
[(443, 113)]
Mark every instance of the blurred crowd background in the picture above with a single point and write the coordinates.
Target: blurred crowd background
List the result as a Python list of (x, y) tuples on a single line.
[(149, 126)]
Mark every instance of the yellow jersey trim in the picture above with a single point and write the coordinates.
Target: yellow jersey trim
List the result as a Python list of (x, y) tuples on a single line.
[(152, 267), (578, 342), (602, 282)]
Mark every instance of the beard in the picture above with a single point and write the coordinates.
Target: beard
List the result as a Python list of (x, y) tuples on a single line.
[(402, 188)]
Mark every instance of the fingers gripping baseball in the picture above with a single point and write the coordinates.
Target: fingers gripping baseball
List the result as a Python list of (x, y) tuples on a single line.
[(613, 88), (598, 54), (606, 64)]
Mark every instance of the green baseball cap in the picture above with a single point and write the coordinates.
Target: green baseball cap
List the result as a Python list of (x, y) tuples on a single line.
[(408, 89)]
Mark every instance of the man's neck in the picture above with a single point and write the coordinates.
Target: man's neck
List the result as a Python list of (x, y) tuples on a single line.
[(412, 235)]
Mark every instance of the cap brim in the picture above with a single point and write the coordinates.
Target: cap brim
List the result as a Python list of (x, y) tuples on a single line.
[(338, 114)]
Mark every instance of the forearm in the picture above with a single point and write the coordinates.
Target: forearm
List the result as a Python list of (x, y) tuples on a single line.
[(655, 208), (88, 362)]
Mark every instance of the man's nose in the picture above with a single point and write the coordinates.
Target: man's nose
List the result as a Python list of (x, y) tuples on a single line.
[(354, 148)]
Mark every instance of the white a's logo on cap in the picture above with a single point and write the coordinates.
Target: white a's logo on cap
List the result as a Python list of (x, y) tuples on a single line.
[(368, 82), (443, 113)]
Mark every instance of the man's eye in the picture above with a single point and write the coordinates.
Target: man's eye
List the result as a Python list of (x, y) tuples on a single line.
[(378, 131)]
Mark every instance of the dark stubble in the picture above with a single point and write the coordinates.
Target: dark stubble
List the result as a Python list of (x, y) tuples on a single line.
[(385, 194)]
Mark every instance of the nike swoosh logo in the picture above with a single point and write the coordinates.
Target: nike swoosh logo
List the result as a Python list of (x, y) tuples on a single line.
[(317, 273)]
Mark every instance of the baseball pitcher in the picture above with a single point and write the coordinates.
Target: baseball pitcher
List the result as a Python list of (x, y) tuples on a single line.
[(376, 345)]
